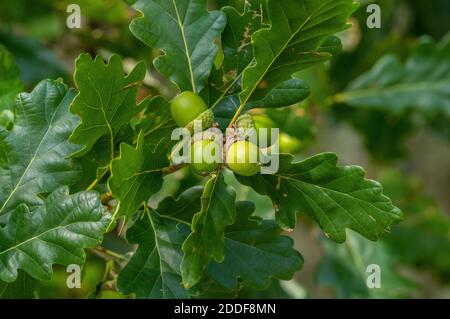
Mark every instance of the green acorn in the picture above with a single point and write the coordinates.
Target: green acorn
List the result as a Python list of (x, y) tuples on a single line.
[(246, 128), (245, 121), (205, 120)]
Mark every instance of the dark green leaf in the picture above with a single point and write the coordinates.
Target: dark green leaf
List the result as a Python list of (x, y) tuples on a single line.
[(208, 228), (33, 155), (254, 253), (136, 175), (106, 101), (254, 242), (185, 206), (336, 197), (54, 233), (237, 49), (293, 41), (154, 269), (185, 31)]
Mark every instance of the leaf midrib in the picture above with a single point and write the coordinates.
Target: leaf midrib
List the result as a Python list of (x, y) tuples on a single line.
[(38, 237), (293, 34), (332, 191), (186, 49), (163, 284), (324, 190), (150, 255), (105, 118), (33, 158), (250, 93), (254, 59)]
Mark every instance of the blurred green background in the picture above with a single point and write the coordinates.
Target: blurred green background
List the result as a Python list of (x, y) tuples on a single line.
[(408, 152)]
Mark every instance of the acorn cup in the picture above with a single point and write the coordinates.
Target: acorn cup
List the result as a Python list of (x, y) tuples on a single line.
[(245, 121), (203, 121), (205, 134)]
